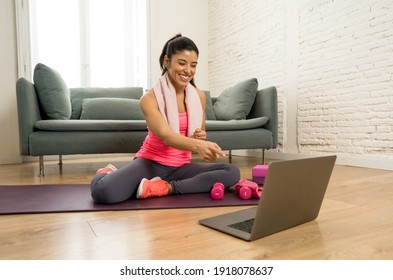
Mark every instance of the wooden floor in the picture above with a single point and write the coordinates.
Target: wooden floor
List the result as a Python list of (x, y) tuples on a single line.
[(355, 222)]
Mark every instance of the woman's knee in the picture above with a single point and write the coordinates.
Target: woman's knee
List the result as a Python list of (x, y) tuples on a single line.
[(233, 173), (100, 191), (97, 189)]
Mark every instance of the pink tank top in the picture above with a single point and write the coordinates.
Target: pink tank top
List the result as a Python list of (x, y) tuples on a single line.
[(153, 148)]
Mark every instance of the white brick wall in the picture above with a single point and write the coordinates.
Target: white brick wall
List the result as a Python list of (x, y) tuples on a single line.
[(343, 69), (246, 41), (345, 84)]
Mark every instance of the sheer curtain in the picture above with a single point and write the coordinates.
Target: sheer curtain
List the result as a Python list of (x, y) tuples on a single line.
[(91, 43)]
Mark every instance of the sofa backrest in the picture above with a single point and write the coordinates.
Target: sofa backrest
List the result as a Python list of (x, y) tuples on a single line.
[(79, 94)]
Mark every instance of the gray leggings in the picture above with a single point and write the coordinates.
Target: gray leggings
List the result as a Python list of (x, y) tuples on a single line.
[(190, 178)]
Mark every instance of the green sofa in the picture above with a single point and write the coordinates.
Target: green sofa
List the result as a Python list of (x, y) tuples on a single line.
[(109, 120)]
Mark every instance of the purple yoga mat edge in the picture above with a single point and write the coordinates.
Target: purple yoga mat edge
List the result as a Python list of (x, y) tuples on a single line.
[(55, 198)]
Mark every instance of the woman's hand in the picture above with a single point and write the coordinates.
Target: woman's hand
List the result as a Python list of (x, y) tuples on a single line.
[(209, 151), (200, 134)]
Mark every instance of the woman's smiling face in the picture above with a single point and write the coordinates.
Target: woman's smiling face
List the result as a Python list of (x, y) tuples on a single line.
[(182, 67)]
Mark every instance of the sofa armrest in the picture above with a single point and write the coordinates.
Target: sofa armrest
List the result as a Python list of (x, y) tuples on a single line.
[(265, 105), (28, 112)]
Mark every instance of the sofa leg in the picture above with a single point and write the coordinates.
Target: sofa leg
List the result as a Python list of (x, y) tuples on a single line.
[(60, 160), (263, 156), (41, 166), (230, 156)]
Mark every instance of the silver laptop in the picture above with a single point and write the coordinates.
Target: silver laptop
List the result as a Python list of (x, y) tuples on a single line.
[(292, 195)]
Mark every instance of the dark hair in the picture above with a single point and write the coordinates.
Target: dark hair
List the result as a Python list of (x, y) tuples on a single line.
[(174, 45)]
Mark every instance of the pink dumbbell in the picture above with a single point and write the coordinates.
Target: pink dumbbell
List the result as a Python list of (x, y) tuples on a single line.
[(244, 192), (217, 191)]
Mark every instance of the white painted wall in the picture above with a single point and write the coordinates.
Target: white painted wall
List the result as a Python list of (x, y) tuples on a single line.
[(9, 139), (190, 18)]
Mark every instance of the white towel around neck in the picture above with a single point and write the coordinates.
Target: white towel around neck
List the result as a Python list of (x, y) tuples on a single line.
[(166, 98)]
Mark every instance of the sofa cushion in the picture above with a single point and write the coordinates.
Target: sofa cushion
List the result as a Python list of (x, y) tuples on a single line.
[(79, 94), (91, 125), (111, 109), (209, 107), (52, 91), (236, 124), (235, 102)]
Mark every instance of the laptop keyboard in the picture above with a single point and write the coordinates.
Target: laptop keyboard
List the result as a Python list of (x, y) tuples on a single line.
[(243, 225)]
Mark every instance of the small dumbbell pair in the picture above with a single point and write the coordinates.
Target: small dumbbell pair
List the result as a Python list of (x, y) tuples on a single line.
[(244, 188), (247, 189)]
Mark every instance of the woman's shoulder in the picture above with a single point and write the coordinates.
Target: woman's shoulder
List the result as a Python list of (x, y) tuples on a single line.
[(148, 94), (148, 97)]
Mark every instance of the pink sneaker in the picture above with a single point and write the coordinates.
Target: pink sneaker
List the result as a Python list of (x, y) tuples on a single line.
[(106, 170), (150, 188)]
